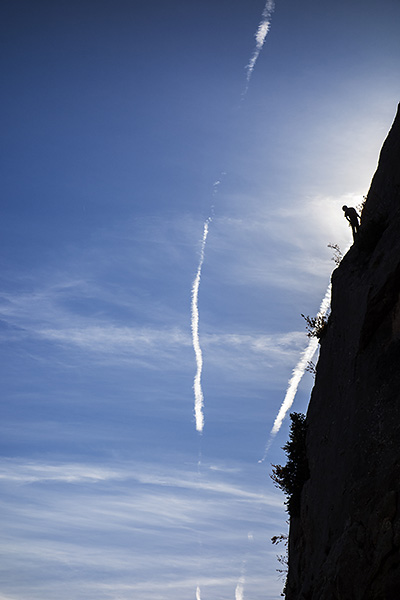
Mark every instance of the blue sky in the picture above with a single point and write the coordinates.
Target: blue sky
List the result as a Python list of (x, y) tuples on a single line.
[(119, 118)]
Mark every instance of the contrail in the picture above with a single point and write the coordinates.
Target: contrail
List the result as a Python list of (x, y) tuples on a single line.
[(198, 593), (198, 392), (260, 36), (297, 375), (239, 589)]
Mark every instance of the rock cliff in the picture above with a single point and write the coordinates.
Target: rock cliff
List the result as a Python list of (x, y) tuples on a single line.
[(345, 545)]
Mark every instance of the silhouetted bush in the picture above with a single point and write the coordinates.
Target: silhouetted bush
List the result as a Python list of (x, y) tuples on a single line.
[(311, 368), (316, 326), (337, 254), (291, 477), (283, 559)]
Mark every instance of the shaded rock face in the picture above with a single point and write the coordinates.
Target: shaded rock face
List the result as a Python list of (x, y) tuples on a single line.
[(345, 545)]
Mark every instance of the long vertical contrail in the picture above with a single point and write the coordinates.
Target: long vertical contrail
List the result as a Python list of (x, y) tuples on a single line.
[(198, 392), (261, 34), (297, 375)]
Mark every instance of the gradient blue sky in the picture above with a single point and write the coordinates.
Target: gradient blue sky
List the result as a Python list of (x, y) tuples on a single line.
[(118, 119)]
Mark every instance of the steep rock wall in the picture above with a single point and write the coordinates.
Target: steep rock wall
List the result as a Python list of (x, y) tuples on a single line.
[(346, 543)]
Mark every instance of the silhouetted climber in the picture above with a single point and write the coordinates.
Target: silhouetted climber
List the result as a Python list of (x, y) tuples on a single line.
[(351, 215)]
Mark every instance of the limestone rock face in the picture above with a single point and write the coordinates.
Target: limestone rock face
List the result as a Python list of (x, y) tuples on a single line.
[(346, 543)]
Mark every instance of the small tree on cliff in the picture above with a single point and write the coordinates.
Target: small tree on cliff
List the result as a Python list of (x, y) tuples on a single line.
[(291, 477)]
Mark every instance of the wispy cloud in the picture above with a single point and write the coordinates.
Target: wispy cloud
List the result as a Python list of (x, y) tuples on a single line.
[(37, 472), (128, 341), (52, 313), (198, 392), (215, 487), (29, 472), (82, 519)]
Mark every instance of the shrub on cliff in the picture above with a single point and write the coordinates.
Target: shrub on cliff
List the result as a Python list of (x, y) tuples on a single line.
[(316, 326), (291, 477)]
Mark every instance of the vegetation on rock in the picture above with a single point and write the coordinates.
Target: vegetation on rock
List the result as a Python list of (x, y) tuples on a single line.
[(316, 326), (291, 477)]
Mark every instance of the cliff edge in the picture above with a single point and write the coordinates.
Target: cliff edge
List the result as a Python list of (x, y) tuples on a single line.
[(345, 544)]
